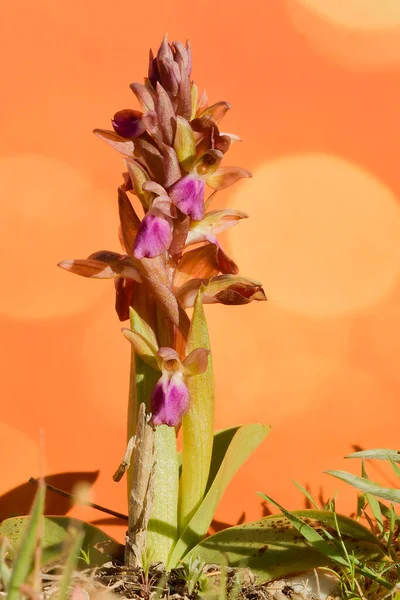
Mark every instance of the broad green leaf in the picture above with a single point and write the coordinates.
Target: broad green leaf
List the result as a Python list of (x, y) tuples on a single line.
[(377, 454), (246, 439), (273, 547), (98, 545), (163, 524), (32, 537), (221, 441), (367, 486), (197, 425)]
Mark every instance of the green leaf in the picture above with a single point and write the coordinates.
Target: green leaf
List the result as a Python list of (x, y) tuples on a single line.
[(367, 486), (99, 546), (222, 439), (140, 326), (221, 443), (163, 524), (197, 425), (30, 539), (306, 494), (273, 547), (373, 501), (395, 468), (332, 545), (244, 442), (377, 454)]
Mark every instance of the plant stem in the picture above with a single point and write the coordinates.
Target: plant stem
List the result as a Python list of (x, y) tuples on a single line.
[(197, 425)]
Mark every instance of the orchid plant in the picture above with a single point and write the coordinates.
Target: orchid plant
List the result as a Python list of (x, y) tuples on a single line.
[(173, 151), (171, 261)]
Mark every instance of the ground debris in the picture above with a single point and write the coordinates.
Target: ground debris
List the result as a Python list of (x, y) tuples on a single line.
[(114, 582)]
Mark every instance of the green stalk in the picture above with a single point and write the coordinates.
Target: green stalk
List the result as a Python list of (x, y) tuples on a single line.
[(163, 523), (197, 425), (162, 530)]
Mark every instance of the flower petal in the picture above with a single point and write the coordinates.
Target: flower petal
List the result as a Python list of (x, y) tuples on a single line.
[(119, 143), (154, 236), (217, 111), (184, 108), (166, 115), (181, 228), (230, 289), (182, 57), (184, 144), (128, 123), (224, 289), (144, 96), (170, 400), (129, 221), (171, 166), (103, 265), (196, 363), (138, 176), (188, 195), (124, 289), (143, 347), (208, 163), (213, 222), (226, 176), (199, 263), (225, 264), (153, 159), (202, 103), (194, 95)]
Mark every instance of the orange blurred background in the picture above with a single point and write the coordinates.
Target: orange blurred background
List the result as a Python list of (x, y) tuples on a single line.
[(315, 88)]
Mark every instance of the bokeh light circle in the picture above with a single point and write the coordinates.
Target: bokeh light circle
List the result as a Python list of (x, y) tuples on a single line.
[(358, 14), (324, 234), (50, 211), (356, 33)]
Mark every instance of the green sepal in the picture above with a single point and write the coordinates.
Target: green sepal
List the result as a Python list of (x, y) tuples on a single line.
[(184, 144), (143, 347)]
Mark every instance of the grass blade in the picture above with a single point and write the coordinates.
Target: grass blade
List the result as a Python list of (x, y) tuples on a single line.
[(76, 539), (26, 551), (306, 494), (377, 454), (321, 544), (367, 486)]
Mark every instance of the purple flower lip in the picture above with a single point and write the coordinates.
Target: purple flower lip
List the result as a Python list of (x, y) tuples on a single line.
[(170, 400), (154, 236), (128, 123), (188, 195)]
